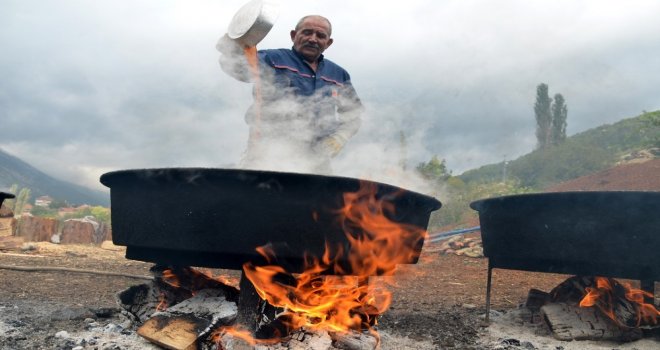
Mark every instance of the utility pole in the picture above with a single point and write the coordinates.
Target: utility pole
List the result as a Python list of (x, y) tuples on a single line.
[(504, 164)]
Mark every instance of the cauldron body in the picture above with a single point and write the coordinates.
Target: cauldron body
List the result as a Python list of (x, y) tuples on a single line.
[(611, 233), (218, 217)]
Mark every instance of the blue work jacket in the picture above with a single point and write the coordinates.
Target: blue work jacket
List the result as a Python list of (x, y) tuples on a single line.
[(291, 91)]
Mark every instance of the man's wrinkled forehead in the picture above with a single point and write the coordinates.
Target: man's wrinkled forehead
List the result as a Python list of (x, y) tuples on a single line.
[(317, 20)]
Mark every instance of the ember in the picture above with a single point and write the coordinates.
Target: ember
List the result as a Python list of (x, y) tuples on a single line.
[(594, 308)]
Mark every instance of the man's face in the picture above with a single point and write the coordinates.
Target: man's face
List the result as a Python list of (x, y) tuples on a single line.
[(311, 38)]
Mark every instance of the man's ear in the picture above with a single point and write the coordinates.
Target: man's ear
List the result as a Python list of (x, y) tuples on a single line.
[(293, 34), (330, 41)]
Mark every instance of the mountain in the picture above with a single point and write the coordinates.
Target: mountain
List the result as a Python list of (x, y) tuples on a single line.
[(15, 171), (582, 154)]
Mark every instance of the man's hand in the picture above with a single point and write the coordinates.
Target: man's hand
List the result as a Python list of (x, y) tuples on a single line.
[(330, 145)]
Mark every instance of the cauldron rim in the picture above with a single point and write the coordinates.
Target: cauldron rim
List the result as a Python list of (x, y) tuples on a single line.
[(480, 204)]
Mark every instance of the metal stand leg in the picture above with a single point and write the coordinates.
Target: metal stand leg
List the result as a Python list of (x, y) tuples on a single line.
[(488, 286)]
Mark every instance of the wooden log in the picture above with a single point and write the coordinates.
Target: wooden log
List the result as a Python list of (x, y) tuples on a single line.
[(354, 341), (613, 300), (180, 326), (537, 298), (173, 332), (571, 322)]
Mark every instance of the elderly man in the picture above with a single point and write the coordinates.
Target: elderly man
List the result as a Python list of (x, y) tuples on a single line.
[(305, 107)]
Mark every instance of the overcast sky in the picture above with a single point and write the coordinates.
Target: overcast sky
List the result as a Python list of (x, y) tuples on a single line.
[(88, 87)]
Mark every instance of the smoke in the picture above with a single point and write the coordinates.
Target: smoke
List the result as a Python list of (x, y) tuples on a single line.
[(287, 132)]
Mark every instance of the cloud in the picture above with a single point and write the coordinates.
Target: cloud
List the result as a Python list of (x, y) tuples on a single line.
[(90, 87)]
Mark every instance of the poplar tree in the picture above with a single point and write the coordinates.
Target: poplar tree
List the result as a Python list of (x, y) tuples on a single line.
[(559, 115), (22, 199), (543, 116)]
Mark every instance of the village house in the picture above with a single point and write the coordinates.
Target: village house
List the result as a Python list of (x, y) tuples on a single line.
[(43, 201)]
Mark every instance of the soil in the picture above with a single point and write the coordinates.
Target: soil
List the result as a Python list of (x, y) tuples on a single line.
[(438, 303)]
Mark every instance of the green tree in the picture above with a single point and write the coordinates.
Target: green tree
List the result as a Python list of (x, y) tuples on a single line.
[(543, 116), (58, 203), (44, 212), (434, 170), (559, 115), (22, 199), (101, 214)]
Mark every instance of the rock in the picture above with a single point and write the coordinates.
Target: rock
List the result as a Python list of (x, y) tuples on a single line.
[(62, 334), (36, 229), (7, 226), (78, 231), (71, 313)]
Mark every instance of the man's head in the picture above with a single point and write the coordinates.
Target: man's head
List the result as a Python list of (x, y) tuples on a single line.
[(312, 36)]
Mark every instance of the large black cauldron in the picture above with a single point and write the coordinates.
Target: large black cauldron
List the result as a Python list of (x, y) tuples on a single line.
[(5, 195), (610, 233), (218, 217)]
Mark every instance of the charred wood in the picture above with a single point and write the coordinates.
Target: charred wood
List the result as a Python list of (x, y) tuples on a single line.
[(571, 322), (182, 325)]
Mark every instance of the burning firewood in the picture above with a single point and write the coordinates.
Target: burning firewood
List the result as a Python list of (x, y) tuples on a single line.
[(571, 322), (180, 326), (595, 308), (620, 302)]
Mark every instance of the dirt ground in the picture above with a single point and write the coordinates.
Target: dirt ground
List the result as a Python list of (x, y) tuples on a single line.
[(439, 302)]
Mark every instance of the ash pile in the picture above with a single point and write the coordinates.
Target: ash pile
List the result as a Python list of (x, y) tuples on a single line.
[(185, 308), (583, 312)]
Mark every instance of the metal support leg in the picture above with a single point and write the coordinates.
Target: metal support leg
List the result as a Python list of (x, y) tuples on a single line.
[(488, 286)]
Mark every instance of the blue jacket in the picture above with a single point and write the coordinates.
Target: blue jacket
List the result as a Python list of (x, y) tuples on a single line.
[(291, 90)]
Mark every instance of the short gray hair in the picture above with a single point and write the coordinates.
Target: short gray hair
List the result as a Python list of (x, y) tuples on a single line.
[(300, 22)]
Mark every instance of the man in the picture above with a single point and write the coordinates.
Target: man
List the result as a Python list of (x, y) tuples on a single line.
[(305, 108)]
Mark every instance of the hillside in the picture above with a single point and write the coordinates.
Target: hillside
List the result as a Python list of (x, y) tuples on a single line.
[(581, 154), (644, 176), (15, 171)]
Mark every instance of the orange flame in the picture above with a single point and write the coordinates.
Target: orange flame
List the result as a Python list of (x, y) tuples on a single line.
[(162, 302), (605, 294), (168, 276), (342, 303)]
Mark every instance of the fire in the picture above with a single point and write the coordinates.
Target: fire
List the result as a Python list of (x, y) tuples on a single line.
[(605, 294), (162, 302), (315, 301), (168, 276), (185, 282)]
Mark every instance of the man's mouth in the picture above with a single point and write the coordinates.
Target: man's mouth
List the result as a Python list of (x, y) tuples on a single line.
[(312, 46)]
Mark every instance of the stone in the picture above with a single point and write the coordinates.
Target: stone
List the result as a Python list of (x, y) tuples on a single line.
[(36, 229)]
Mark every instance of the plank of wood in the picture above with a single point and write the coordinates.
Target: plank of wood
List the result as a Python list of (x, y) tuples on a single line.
[(571, 322), (178, 332), (182, 324)]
